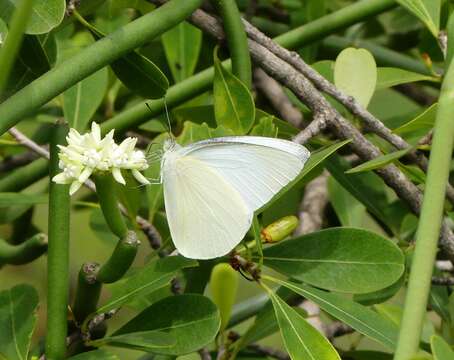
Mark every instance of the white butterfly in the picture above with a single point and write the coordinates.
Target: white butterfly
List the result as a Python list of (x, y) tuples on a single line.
[(213, 187)]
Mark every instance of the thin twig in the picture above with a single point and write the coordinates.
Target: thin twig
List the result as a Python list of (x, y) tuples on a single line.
[(147, 228), (290, 77), (278, 98), (15, 161), (25, 141)]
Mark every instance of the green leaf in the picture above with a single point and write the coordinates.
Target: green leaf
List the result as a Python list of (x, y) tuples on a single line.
[(18, 307), (191, 319), (130, 195), (46, 14), (265, 127), (440, 348), (141, 340), (151, 277), (388, 77), (15, 199), (233, 103), (367, 355), (368, 187), (422, 123), (135, 71), (349, 210), (355, 73), (141, 75), (81, 101), (182, 45), (379, 162), (339, 259), (380, 296), (95, 355), (194, 132), (428, 11), (301, 339), (359, 317)]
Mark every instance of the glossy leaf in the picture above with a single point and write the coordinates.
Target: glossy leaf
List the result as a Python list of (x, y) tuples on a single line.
[(18, 307), (355, 73), (423, 122), (182, 46), (141, 75), (388, 77), (136, 72), (359, 317), (192, 320), (440, 348), (379, 162), (46, 14), (95, 355), (428, 11), (301, 339), (148, 279), (141, 340), (349, 211), (194, 132), (339, 259), (233, 103), (368, 188)]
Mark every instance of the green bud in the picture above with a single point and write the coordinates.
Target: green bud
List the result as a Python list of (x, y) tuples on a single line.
[(279, 229), (224, 285)]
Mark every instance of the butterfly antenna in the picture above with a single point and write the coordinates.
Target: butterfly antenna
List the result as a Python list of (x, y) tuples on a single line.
[(168, 120)]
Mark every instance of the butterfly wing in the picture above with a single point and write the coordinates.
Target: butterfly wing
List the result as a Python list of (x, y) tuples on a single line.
[(257, 167), (207, 217)]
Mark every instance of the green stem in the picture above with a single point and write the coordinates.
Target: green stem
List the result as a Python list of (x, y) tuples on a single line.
[(105, 188), (24, 252), (58, 254), (430, 220), (87, 292), (328, 24), (93, 58), (236, 39), (13, 40), (24, 176), (120, 260)]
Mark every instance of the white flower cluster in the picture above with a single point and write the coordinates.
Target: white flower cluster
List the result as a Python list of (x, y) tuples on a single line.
[(90, 153)]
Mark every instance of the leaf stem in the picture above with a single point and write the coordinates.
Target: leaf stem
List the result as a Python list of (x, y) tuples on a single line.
[(93, 58), (13, 40), (430, 220), (24, 176), (236, 39), (87, 292), (58, 253), (120, 260), (24, 252)]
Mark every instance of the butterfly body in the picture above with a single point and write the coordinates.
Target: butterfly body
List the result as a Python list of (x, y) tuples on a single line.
[(213, 187)]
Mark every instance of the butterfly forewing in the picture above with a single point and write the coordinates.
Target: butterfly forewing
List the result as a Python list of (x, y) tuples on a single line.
[(213, 187)]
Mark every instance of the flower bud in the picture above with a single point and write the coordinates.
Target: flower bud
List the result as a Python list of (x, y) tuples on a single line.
[(279, 229), (224, 285)]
